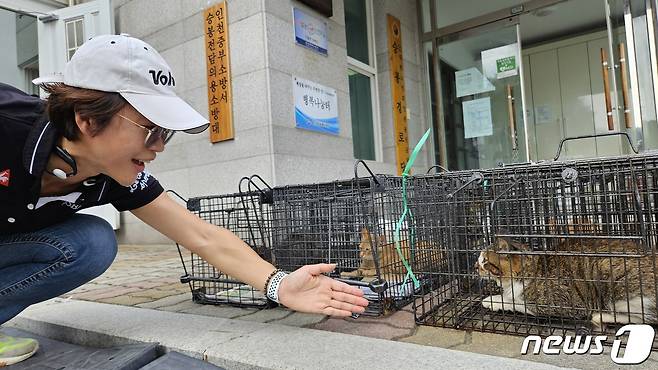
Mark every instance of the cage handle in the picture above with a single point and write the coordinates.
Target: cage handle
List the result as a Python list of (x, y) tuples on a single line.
[(436, 167), (476, 177), (177, 195), (559, 148), (186, 278), (378, 184), (266, 195)]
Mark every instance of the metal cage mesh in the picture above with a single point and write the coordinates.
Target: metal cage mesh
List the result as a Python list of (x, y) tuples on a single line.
[(246, 215), (350, 223), (576, 240)]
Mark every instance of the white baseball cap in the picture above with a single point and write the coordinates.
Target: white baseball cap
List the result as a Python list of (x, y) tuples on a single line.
[(134, 69)]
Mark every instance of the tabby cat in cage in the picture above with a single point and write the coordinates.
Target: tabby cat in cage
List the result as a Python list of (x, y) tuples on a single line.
[(603, 289), (391, 266)]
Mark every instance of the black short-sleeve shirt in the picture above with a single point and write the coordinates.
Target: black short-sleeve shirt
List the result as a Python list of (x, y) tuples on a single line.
[(27, 140)]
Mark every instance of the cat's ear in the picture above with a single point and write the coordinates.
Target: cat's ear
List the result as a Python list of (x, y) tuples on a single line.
[(365, 234), (502, 243), (382, 239), (517, 246)]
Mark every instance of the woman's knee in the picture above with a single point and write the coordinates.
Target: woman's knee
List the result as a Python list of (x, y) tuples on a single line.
[(96, 246)]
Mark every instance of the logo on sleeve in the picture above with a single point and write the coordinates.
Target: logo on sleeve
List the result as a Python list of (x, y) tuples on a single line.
[(4, 177)]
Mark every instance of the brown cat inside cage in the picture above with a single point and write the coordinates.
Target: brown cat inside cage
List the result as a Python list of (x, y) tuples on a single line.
[(391, 266), (605, 280)]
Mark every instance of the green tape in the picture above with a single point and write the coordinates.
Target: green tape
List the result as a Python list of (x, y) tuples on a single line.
[(407, 211)]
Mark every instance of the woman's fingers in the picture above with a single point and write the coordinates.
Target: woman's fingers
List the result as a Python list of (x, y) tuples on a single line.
[(336, 312), (349, 298), (339, 286)]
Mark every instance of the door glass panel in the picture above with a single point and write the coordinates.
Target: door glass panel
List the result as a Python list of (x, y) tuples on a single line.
[(636, 107), (481, 92), (356, 29), (565, 87), (361, 108), (449, 12)]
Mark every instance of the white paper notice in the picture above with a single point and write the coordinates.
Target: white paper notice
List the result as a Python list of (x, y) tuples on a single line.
[(477, 118), (470, 81), (501, 62), (543, 114)]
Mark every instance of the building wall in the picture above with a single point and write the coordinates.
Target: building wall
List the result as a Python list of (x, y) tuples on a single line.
[(264, 57), (9, 71)]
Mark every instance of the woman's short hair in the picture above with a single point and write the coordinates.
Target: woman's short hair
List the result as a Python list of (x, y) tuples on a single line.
[(65, 101)]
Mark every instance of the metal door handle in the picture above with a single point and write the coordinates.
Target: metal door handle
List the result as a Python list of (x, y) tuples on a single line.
[(624, 85), (606, 89), (512, 116)]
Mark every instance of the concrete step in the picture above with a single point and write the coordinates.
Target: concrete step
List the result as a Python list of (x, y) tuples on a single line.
[(242, 344)]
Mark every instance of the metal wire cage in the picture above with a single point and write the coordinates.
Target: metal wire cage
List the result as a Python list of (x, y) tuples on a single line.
[(351, 223), (540, 249), (246, 214)]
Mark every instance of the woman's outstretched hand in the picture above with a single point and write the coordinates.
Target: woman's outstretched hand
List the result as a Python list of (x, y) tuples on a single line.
[(307, 290)]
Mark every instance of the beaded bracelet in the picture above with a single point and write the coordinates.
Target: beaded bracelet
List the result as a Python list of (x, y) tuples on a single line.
[(267, 282)]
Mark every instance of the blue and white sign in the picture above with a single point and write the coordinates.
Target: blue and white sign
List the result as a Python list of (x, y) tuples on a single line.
[(310, 32), (316, 106)]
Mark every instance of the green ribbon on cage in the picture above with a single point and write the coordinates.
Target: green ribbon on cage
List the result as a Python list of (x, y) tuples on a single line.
[(407, 211)]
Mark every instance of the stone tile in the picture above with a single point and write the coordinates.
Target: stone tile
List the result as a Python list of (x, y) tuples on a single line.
[(167, 38), (159, 14), (155, 294), (247, 45), (96, 295), (435, 337), (398, 319), (491, 344), (125, 300), (167, 301), (300, 319), (250, 100), (373, 330), (147, 284), (266, 315), (178, 307), (228, 312)]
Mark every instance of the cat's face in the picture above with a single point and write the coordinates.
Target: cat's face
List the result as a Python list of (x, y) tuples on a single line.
[(365, 247), (496, 266)]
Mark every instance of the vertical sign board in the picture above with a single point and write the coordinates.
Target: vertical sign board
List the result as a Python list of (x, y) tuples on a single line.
[(218, 68), (397, 93)]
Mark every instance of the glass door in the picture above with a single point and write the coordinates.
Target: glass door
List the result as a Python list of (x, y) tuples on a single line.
[(481, 96), (632, 29)]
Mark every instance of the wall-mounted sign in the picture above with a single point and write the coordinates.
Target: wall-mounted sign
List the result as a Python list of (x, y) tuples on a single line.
[(316, 106), (310, 32), (397, 92), (218, 68), (501, 62)]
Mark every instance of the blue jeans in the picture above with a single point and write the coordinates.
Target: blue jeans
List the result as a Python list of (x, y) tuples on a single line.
[(44, 264)]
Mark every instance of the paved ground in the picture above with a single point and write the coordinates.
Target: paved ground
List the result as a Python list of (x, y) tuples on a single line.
[(148, 277)]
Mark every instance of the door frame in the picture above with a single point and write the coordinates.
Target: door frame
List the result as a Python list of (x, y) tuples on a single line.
[(494, 19), (489, 26)]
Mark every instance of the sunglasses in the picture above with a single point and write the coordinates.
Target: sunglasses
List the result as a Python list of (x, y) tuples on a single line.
[(154, 134)]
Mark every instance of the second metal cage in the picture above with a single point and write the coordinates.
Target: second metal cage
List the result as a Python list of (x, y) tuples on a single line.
[(575, 242), (245, 214), (351, 223)]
